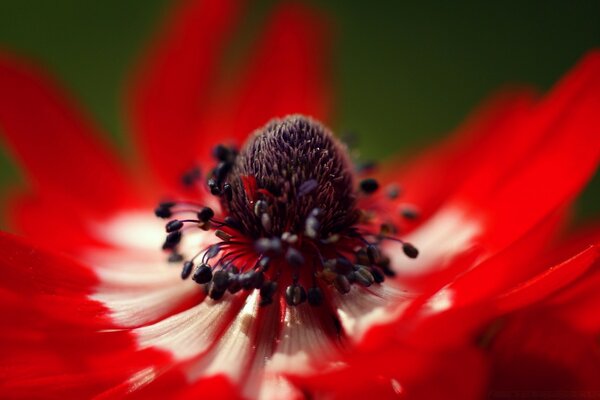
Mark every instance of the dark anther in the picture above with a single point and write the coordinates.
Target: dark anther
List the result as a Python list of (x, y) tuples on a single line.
[(295, 295), (307, 186), (377, 275), (343, 266), (163, 212), (311, 227), (224, 236), (369, 185), (266, 245), (205, 214), (409, 212), (294, 257), (221, 171), (172, 240), (214, 187), (267, 291), (191, 176), (252, 280), (221, 280), (227, 191), (212, 251), (364, 276), (260, 208), (173, 226), (342, 284), (232, 222), (203, 274), (264, 263), (175, 258), (223, 153), (234, 284), (373, 253), (214, 293), (410, 250), (315, 296), (187, 269), (393, 191), (265, 221)]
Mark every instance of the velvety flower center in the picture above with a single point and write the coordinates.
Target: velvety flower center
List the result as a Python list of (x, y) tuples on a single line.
[(291, 224), (301, 170)]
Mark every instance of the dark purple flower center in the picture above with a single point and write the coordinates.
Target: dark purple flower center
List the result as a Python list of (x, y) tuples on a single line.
[(298, 169)]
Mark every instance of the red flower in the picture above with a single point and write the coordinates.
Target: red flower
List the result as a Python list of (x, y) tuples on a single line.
[(92, 308)]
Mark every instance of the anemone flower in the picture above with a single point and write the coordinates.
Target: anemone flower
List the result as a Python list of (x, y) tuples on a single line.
[(279, 269)]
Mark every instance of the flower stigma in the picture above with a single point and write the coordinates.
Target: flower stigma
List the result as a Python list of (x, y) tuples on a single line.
[(294, 221)]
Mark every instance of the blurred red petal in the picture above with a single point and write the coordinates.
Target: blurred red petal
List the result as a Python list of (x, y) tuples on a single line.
[(57, 146), (287, 73), (175, 81), (553, 278), (536, 354), (430, 178)]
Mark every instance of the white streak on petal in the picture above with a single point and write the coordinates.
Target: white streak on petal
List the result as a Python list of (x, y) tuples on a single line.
[(137, 230), (137, 284), (133, 309), (441, 301), (233, 352), (303, 346), (276, 387), (265, 343), (189, 333), (142, 378), (363, 308), (443, 236)]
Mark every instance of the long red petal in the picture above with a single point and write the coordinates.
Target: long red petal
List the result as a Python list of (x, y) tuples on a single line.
[(287, 72), (547, 158)]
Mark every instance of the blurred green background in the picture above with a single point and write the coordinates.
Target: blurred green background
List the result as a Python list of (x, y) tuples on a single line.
[(406, 72)]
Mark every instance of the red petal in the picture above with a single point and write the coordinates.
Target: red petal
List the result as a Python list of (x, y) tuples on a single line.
[(287, 73), (517, 191), (56, 144), (53, 220), (175, 81), (536, 354), (541, 286), (578, 305), (432, 177), (398, 372), (58, 343), (49, 282)]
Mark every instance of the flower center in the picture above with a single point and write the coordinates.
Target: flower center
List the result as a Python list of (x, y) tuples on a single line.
[(286, 174), (291, 221)]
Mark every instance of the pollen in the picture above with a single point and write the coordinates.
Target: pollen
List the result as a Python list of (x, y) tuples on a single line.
[(294, 221)]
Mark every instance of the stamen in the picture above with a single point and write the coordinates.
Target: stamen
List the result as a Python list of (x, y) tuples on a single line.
[(290, 216), (369, 185)]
